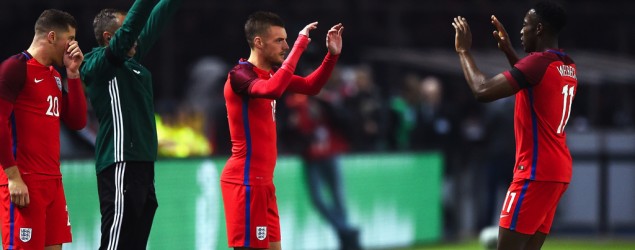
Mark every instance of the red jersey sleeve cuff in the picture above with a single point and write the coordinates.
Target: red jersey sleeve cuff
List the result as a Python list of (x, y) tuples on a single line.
[(302, 42), (512, 81), (74, 81), (6, 160)]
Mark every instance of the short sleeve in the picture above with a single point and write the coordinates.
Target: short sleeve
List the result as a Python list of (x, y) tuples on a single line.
[(528, 71), (12, 77), (241, 77)]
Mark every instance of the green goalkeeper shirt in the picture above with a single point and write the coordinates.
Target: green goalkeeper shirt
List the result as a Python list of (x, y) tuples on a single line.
[(120, 88)]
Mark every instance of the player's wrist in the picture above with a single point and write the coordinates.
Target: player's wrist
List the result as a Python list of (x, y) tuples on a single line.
[(13, 173), (72, 74), (302, 41), (331, 55)]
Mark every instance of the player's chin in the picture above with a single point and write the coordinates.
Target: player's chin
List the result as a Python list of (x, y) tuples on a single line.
[(59, 62)]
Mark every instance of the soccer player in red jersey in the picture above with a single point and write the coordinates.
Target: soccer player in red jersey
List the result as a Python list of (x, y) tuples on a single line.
[(251, 90), (33, 99), (544, 83)]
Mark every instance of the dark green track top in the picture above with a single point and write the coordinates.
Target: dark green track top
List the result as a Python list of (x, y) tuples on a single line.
[(120, 88)]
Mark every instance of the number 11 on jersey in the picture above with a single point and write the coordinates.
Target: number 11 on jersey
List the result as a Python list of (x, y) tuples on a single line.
[(567, 93)]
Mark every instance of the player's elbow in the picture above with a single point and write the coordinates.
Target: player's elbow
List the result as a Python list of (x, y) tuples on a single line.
[(268, 95), (313, 92), (483, 93), (77, 123), (483, 97)]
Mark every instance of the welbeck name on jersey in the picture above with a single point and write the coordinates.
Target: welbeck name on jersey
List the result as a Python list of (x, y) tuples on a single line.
[(566, 70)]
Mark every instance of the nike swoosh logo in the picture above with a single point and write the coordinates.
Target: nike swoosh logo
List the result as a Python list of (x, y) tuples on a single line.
[(38, 81), (136, 71), (504, 215)]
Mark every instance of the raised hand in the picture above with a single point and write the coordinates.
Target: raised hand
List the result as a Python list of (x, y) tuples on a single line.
[(463, 37), (73, 59), (504, 44), (334, 39), (308, 28), (501, 36)]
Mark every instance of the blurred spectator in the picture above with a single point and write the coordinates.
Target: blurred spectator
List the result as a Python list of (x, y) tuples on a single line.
[(435, 120), (320, 124), (205, 96), (403, 113), (496, 171), (362, 99)]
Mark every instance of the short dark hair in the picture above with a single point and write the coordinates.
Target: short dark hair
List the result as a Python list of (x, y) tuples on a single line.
[(106, 20), (551, 14), (258, 23), (53, 19)]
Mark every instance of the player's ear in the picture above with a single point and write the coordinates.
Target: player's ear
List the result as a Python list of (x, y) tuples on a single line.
[(106, 36), (50, 37), (258, 42), (540, 28)]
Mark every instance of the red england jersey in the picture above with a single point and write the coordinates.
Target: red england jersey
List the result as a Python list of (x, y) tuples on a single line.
[(252, 126), (32, 99), (547, 82), (250, 95)]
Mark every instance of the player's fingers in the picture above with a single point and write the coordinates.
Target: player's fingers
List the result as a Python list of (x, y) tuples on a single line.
[(312, 25), (27, 200), (499, 26), (459, 21), (456, 24), (18, 200), (467, 26), (340, 31), (22, 200), (495, 34), (76, 51)]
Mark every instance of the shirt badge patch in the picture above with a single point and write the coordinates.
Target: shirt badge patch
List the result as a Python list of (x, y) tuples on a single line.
[(261, 233), (59, 82), (25, 234)]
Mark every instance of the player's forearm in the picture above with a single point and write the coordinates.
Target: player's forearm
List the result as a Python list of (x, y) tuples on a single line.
[(6, 151), (74, 110), (313, 83), (278, 83), (512, 57), (474, 77), (129, 32)]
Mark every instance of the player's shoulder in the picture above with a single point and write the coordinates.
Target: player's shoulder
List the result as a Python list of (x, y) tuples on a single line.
[(15, 65), (242, 72), (19, 59), (547, 57), (96, 54)]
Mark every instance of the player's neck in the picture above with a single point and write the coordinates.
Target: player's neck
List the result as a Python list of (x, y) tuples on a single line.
[(39, 52), (546, 44), (259, 61)]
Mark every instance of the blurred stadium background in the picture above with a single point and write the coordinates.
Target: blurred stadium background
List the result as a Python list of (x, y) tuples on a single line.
[(424, 165)]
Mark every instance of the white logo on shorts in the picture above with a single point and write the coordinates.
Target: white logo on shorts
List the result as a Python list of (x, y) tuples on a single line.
[(25, 234), (261, 233)]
